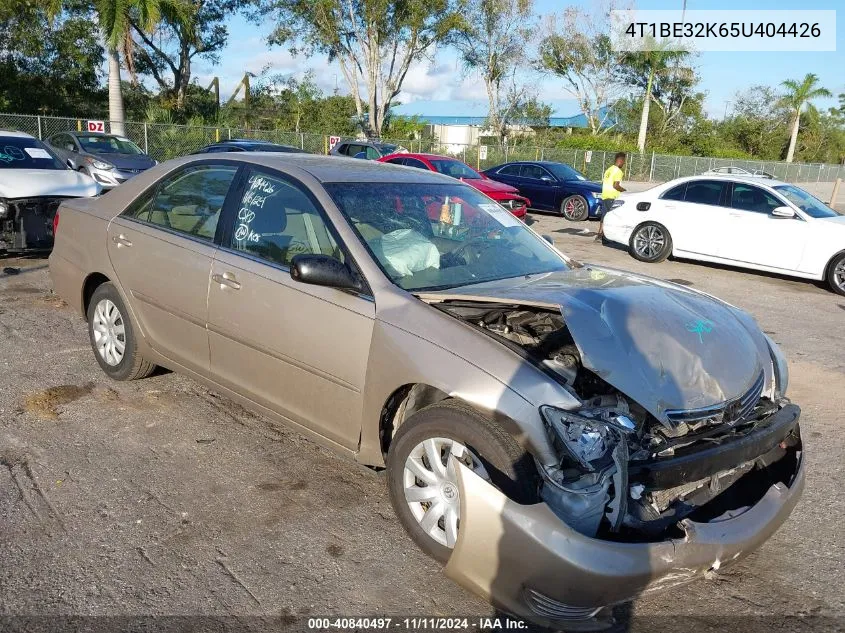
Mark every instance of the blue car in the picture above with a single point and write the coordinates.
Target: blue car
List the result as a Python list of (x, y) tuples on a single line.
[(552, 187)]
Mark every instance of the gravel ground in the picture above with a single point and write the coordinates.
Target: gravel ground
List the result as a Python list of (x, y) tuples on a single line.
[(159, 497)]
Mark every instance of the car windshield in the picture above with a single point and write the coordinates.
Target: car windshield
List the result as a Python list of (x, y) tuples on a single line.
[(108, 145), (810, 205), (564, 172), (26, 153), (454, 168), (435, 236)]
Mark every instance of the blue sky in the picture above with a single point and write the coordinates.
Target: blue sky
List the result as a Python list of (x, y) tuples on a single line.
[(438, 86)]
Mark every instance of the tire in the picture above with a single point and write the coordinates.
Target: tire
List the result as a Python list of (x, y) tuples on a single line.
[(836, 274), (494, 454), (650, 242), (575, 208), (109, 327)]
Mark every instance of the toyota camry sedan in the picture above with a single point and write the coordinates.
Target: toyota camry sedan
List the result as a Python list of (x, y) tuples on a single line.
[(746, 222), (562, 436)]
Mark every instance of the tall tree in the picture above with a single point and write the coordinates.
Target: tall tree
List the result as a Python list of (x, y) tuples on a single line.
[(114, 18), (49, 66), (798, 94), (577, 49), (183, 34), (493, 44), (645, 68), (374, 41)]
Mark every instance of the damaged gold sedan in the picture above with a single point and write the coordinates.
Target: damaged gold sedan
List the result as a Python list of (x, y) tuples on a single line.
[(564, 437)]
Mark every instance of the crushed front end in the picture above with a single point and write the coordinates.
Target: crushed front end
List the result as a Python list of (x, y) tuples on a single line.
[(634, 499), (26, 224)]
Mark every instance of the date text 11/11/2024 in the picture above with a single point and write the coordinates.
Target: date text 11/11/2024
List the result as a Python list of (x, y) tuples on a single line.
[(417, 624)]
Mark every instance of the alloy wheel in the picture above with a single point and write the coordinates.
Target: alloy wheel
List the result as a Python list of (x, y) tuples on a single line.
[(431, 486), (839, 275), (649, 242), (574, 209), (109, 332)]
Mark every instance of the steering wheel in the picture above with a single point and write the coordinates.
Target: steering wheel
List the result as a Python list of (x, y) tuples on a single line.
[(472, 248)]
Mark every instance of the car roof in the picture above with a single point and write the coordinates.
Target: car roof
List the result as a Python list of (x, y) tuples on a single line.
[(15, 134), (751, 180), (424, 156), (332, 168)]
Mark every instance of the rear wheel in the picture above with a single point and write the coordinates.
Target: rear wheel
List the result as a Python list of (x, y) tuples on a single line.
[(575, 208), (650, 242), (836, 274), (421, 475), (113, 337)]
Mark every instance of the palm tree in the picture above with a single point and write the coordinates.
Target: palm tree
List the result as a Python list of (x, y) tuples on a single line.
[(657, 61), (114, 20), (113, 17), (797, 96)]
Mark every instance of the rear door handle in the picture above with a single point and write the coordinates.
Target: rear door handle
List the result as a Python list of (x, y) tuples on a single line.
[(121, 240), (226, 280)]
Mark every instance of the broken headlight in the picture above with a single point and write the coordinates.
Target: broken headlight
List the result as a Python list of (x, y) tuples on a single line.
[(4, 209), (588, 436), (780, 366)]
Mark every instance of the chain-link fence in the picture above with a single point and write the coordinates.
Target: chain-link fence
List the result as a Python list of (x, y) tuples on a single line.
[(165, 141)]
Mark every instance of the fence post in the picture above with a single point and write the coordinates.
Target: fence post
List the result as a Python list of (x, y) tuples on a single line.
[(835, 192), (229, 130), (40, 136), (301, 140), (146, 140), (651, 169), (478, 155)]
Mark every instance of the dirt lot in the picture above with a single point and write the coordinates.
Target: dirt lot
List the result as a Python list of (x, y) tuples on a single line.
[(159, 497)]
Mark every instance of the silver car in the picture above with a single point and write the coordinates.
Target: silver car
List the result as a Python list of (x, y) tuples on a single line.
[(563, 436)]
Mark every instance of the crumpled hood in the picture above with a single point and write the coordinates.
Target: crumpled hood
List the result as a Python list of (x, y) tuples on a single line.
[(663, 345), (31, 183)]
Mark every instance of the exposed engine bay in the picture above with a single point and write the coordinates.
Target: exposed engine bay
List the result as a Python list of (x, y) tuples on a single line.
[(620, 472)]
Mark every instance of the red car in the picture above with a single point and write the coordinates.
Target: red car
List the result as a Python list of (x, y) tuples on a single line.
[(505, 195)]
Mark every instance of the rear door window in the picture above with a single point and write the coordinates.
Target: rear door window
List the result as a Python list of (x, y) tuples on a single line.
[(705, 192), (189, 201), (510, 170)]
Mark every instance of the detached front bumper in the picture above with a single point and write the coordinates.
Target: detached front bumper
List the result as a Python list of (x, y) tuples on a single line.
[(526, 561)]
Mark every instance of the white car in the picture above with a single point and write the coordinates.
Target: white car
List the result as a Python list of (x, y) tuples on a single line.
[(33, 182), (747, 222), (736, 171)]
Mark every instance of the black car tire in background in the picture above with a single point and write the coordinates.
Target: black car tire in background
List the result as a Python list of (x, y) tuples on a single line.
[(836, 274), (650, 242), (575, 208), (510, 468)]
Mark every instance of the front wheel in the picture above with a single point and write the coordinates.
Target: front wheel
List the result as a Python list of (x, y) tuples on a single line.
[(575, 208), (421, 475), (836, 274), (650, 242)]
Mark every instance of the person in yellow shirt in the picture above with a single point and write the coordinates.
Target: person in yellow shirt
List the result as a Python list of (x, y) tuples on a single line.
[(611, 187)]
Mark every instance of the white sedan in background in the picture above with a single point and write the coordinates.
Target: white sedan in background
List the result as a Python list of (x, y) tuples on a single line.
[(747, 222)]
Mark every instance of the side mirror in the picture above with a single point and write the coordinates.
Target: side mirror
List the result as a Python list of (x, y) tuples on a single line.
[(549, 239), (323, 270), (546, 179), (70, 163), (783, 212)]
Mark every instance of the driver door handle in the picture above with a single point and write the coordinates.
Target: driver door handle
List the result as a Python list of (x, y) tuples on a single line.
[(121, 240), (226, 280)]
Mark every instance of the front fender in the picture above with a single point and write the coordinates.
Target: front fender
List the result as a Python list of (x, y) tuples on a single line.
[(399, 358)]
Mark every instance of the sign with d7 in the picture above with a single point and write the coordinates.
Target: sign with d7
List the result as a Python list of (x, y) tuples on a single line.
[(333, 140), (95, 126)]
